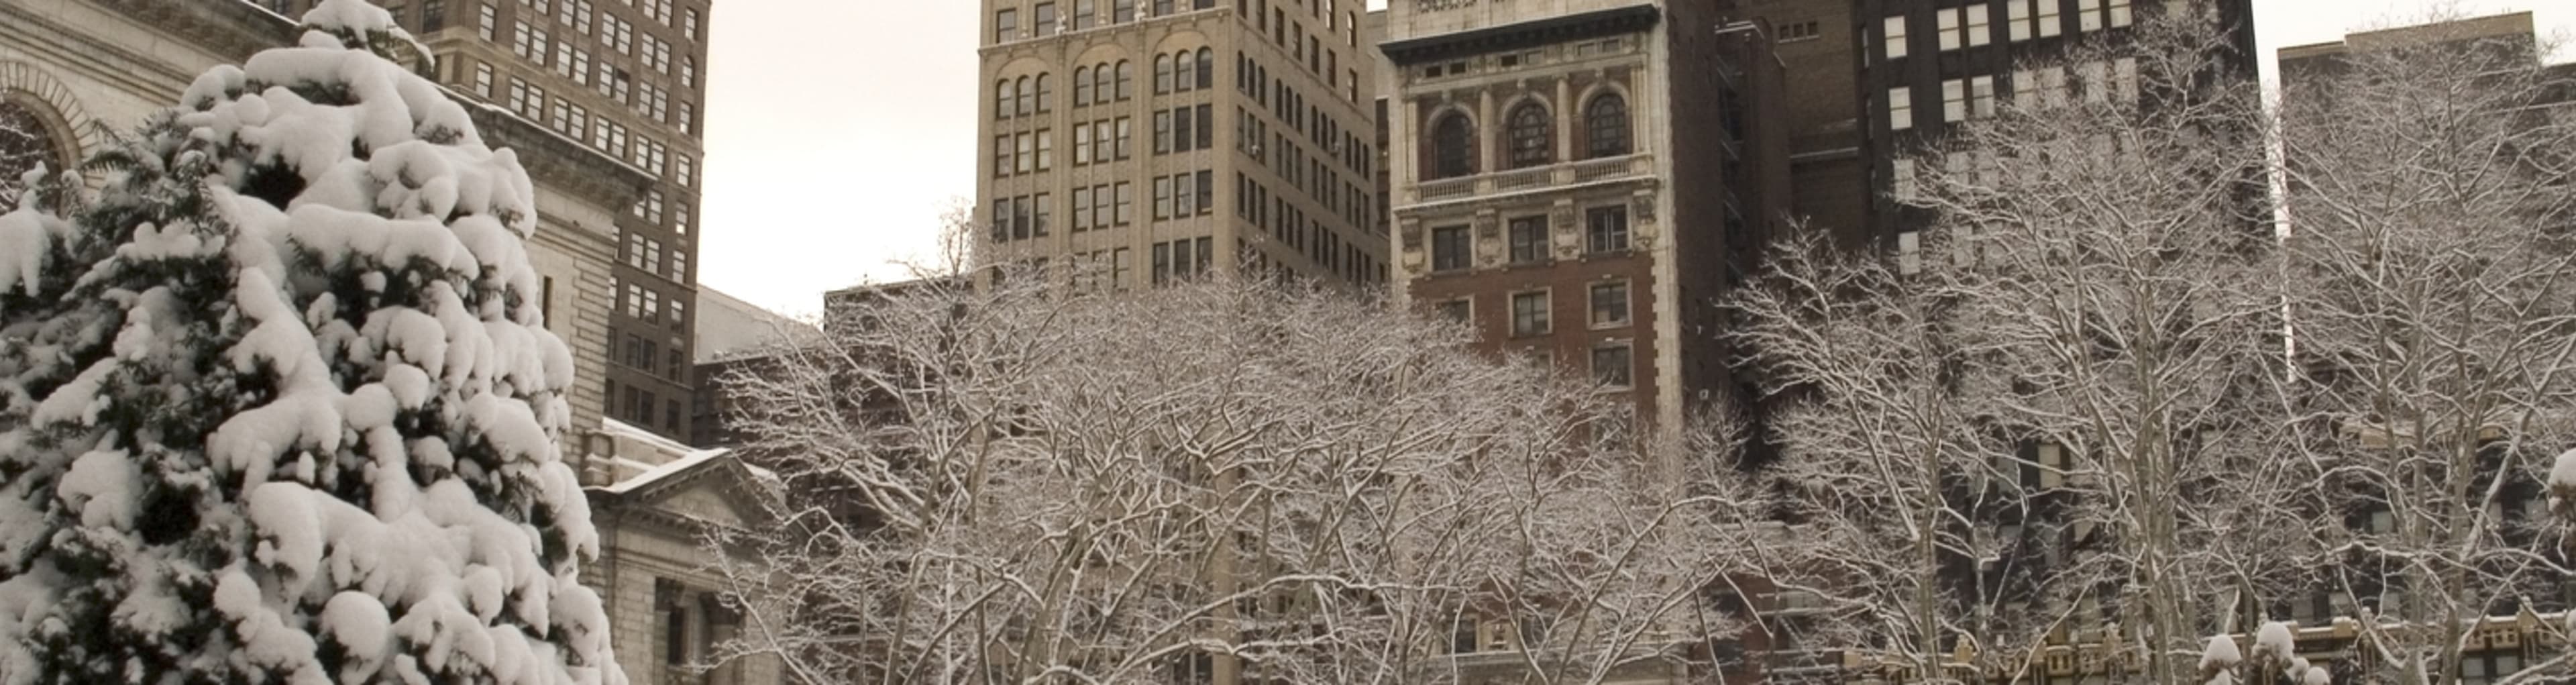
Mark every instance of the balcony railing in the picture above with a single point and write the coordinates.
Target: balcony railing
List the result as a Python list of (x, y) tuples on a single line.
[(1533, 179)]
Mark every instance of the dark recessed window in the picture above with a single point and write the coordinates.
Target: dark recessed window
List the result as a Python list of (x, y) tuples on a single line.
[(1610, 365), (1449, 248), (1529, 239), (1606, 230), (1606, 124), (1453, 146), (1533, 136), (1529, 313)]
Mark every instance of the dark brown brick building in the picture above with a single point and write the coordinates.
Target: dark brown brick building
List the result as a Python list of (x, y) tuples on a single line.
[(1581, 180)]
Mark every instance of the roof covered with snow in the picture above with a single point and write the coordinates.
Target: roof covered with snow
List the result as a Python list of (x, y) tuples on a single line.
[(729, 327)]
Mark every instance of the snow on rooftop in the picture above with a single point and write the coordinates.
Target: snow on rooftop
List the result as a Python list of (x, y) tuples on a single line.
[(729, 327), (666, 470)]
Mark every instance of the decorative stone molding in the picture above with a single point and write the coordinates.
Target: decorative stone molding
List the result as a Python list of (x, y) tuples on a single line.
[(28, 84)]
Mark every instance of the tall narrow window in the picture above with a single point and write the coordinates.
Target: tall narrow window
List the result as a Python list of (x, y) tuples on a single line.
[(1900, 109), (1894, 37), (1045, 20), (1606, 126), (1954, 100), (1046, 94), (1082, 13), (1949, 27), (1453, 146), (2052, 20), (1529, 239), (1606, 229), (1023, 95), (1162, 74), (1006, 25), (1981, 29), (1207, 68), (1126, 81), (1533, 136), (2017, 15), (1081, 86)]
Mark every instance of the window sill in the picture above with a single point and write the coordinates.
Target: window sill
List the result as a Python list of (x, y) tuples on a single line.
[(1607, 326)]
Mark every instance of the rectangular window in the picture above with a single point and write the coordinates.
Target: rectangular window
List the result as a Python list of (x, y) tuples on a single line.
[(1207, 127), (1449, 248), (1046, 149), (1954, 100), (1609, 304), (1981, 96), (1081, 143), (1980, 26), (1001, 219), (1126, 137), (2088, 15), (1162, 263), (1183, 128), (1162, 132), (1949, 27), (1082, 14), (2124, 79), (1894, 37), (487, 22), (1081, 209), (1185, 195), (1611, 365), (1042, 213), (1162, 197), (1044, 19), (2052, 19), (1529, 239), (2017, 15), (1606, 229), (1024, 153), (483, 80), (1904, 184), (1900, 109), (1459, 310), (1207, 192), (2120, 14), (1006, 25), (1126, 203), (1529, 314), (1021, 216)]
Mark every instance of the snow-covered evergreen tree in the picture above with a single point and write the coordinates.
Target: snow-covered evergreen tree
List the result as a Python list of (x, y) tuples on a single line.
[(297, 421)]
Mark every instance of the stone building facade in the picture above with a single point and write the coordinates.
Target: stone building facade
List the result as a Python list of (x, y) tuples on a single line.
[(653, 500), (1142, 141), (88, 70), (1581, 180)]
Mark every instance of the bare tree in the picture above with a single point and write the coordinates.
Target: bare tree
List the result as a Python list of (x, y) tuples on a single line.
[(1005, 482), (2432, 185), (2063, 387)]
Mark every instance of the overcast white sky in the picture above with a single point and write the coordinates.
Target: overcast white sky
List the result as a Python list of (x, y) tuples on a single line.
[(839, 130)]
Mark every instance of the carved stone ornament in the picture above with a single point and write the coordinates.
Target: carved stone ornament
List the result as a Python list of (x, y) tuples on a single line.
[(1643, 208)]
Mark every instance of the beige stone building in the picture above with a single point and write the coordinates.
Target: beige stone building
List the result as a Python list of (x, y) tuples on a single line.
[(1149, 140), (87, 70), (653, 500)]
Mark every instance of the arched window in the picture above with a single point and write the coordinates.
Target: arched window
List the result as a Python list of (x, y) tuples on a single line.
[(1046, 94), (1020, 102), (1081, 86), (1533, 136), (1453, 146), (1162, 74), (1100, 83), (1186, 70), (1605, 123), (1003, 94), (1207, 68), (26, 142), (1126, 80)]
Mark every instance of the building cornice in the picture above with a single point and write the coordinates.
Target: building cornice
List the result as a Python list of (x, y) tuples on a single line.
[(557, 162), (1526, 34)]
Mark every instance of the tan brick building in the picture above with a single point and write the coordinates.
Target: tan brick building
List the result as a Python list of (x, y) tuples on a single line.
[(1150, 140)]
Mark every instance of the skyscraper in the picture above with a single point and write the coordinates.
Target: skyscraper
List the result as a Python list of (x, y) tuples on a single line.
[(1149, 140), (621, 77)]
